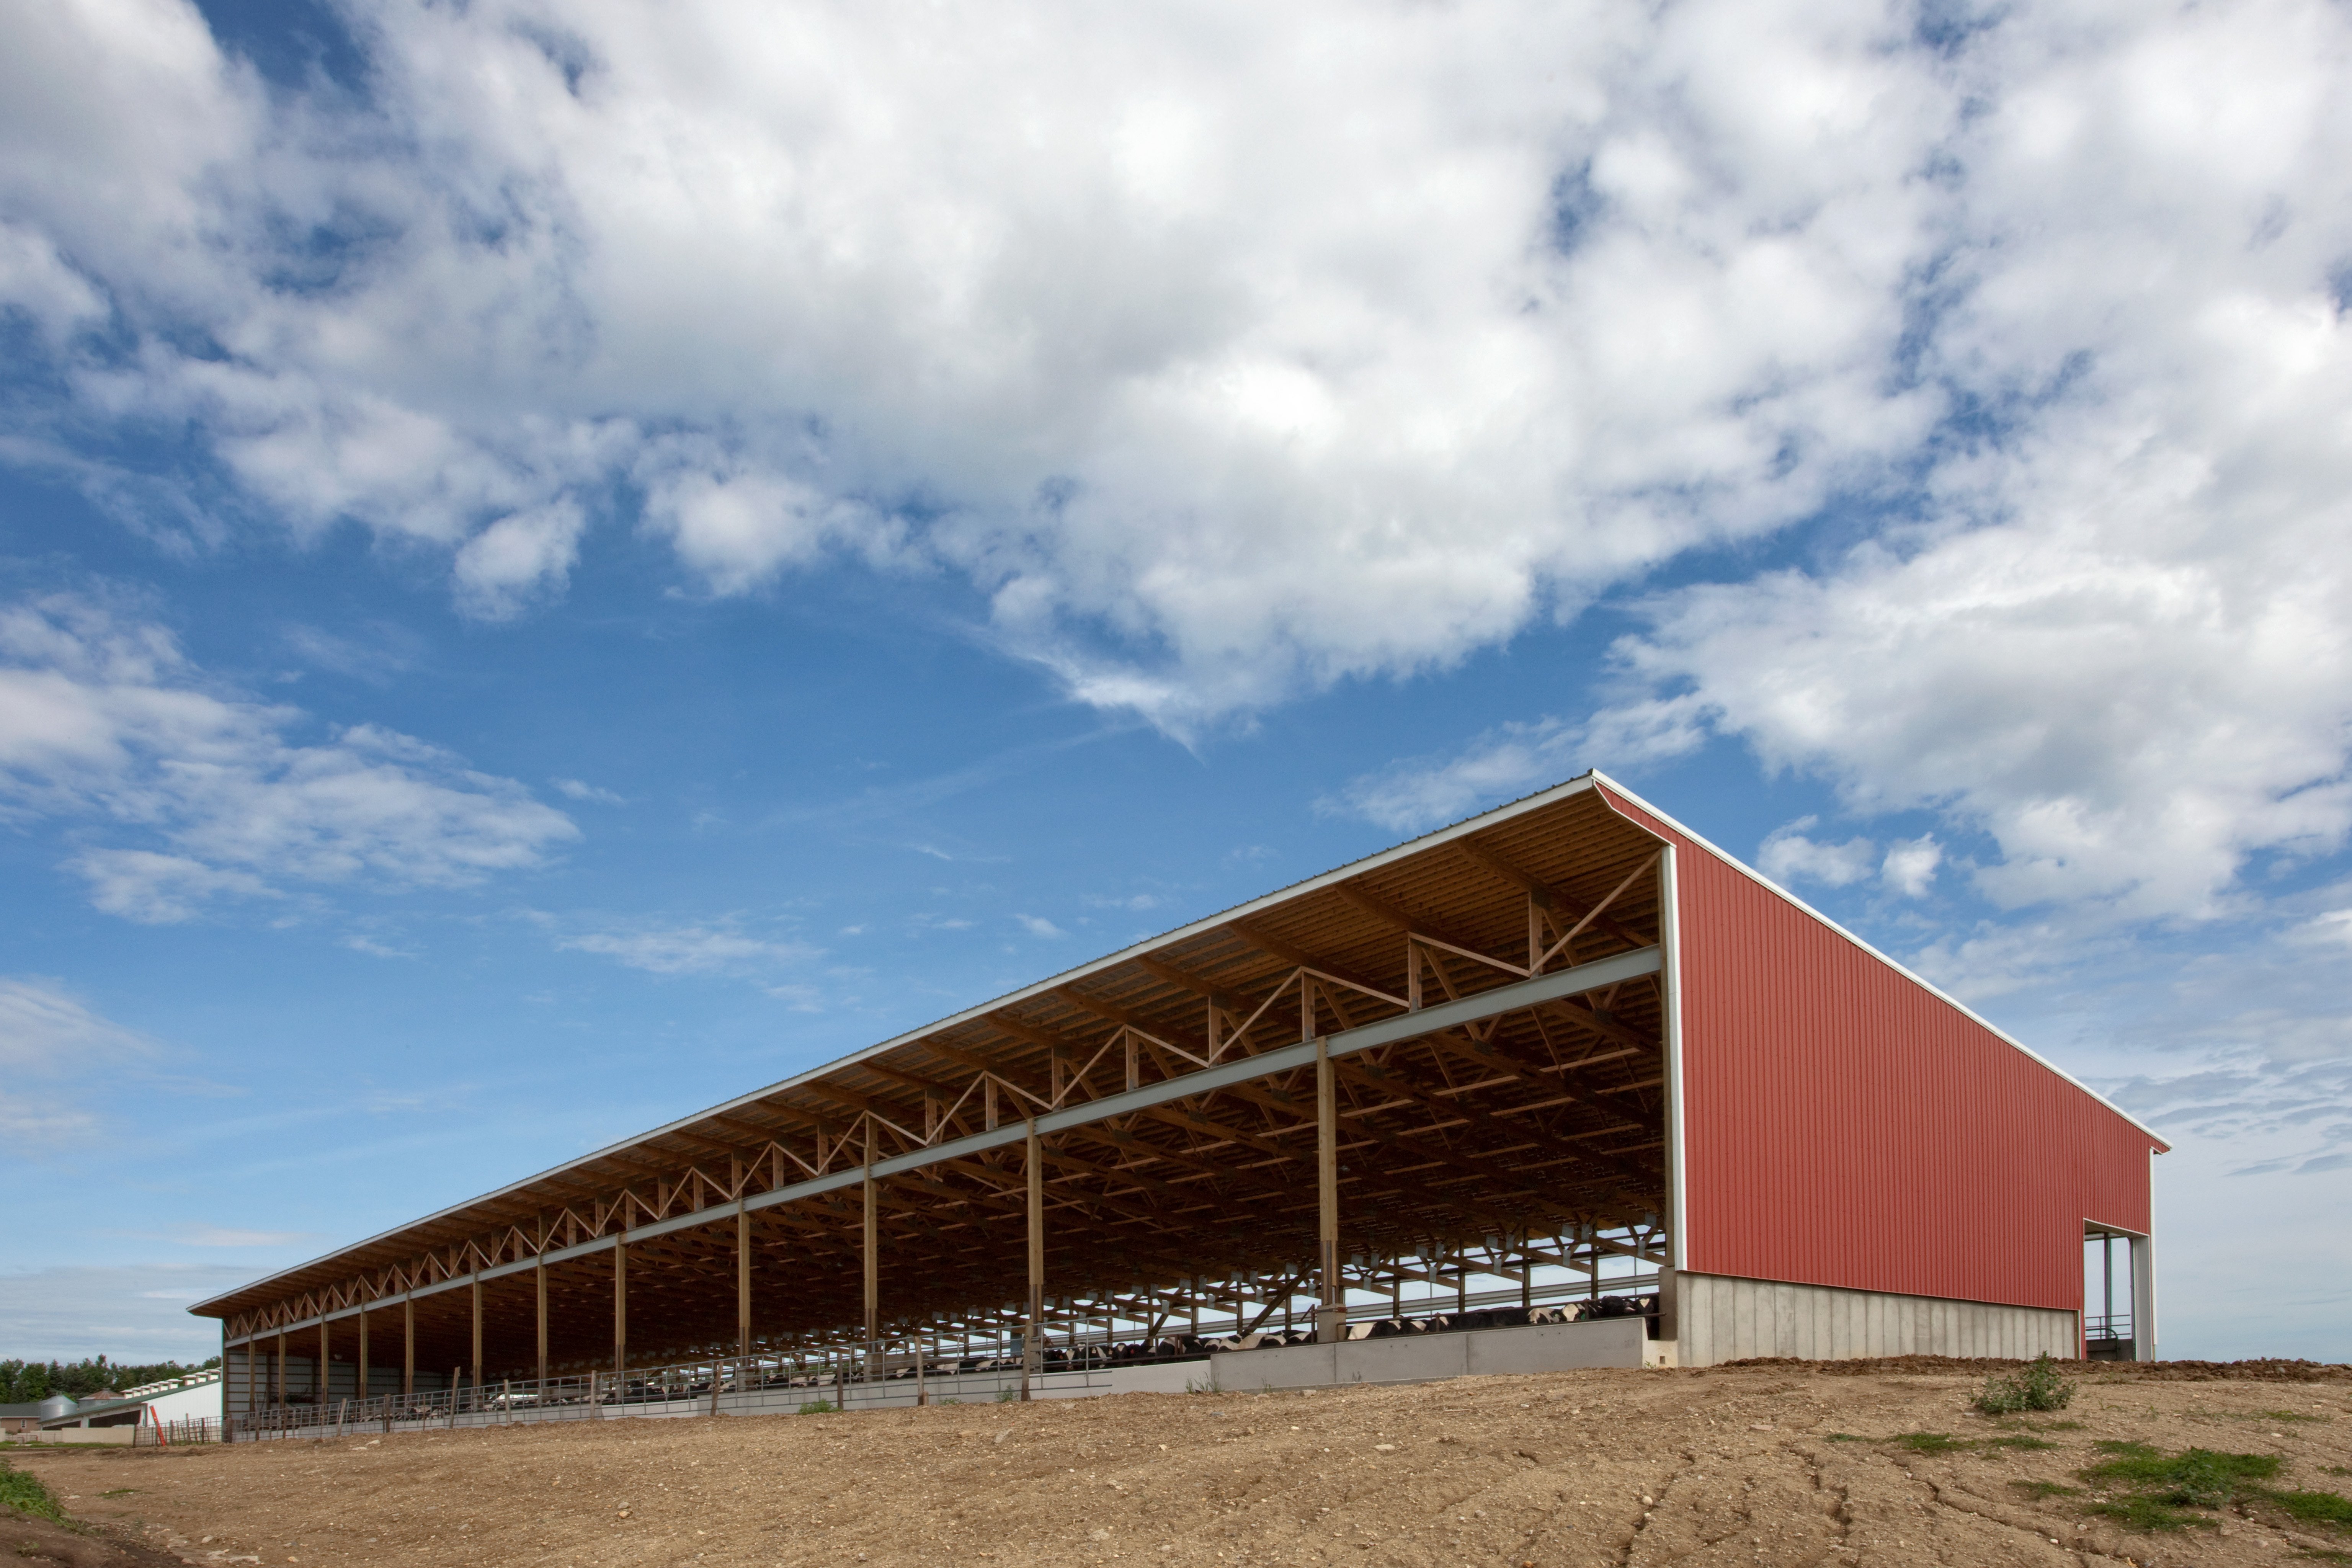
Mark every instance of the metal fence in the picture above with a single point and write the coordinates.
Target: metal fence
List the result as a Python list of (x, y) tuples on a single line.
[(173, 1433), (839, 1378)]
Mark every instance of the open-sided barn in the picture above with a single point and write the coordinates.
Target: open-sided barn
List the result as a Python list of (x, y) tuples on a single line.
[(1565, 1046)]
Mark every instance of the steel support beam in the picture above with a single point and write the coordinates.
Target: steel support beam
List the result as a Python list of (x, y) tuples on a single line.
[(1512, 997), (1331, 1307)]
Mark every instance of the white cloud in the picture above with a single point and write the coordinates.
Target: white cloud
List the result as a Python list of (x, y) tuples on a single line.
[(1136, 902), (375, 949), (574, 789), (127, 1313), (690, 950), (1910, 865), (102, 719), (1037, 925), (520, 557), (1788, 856), (222, 1236), (1228, 351), (53, 1048), (2334, 926)]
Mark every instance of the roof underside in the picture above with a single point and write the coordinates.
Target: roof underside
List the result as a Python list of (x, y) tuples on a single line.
[(1525, 1123)]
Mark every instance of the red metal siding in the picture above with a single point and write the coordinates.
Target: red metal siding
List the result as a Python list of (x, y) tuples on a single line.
[(1843, 1125)]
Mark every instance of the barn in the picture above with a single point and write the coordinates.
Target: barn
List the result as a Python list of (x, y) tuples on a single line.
[(1560, 1085)]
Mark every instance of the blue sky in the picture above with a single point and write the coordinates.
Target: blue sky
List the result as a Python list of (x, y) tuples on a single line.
[(554, 569)]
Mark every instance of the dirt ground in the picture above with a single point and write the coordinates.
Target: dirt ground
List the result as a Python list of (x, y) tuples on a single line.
[(1770, 1464)]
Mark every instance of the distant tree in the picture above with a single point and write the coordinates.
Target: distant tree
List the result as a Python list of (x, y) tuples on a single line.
[(27, 1383)]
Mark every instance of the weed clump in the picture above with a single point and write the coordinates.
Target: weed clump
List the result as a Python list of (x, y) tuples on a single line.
[(1932, 1442), (25, 1494), (2315, 1508), (2041, 1386), (819, 1407), (2163, 1485)]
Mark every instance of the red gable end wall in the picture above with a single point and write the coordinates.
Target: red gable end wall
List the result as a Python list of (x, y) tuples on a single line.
[(1843, 1125)]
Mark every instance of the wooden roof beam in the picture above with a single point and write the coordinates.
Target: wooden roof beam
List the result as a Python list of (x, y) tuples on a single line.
[(1545, 895)]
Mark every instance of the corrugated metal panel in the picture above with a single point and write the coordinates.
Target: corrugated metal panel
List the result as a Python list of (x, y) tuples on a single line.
[(1845, 1126)]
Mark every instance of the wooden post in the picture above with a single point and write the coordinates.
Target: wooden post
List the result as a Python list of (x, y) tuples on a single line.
[(742, 1281), (360, 1374), (478, 1328), (1030, 1364), (1331, 1315), (873, 1278), (620, 1313), (540, 1277), (408, 1348)]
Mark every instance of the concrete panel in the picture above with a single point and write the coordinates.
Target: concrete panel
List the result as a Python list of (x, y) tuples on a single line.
[(1291, 1366), (1159, 1377), (1556, 1347), (1726, 1318), (1426, 1358)]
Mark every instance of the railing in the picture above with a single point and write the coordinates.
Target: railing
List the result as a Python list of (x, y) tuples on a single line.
[(172, 1434), (584, 1396), (2108, 1328), (782, 1383)]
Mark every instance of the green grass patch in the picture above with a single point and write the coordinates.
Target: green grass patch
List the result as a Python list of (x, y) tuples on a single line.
[(2290, 1416), (819, 1407), (27, 1495), (1930, 1442), (2038, 1386), (2313, 1508), (120, 1491), (1847, 1437), (2053, 1426), (2038, 1491), (2163, 1486), (2144, 1513), (2019, 1440), (2200, 1478)]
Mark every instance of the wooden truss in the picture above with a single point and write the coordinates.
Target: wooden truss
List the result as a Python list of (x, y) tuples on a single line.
[(1452, 1052)]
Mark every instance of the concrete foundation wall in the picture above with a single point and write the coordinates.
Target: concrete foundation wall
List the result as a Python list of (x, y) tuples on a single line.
[(1425, 1358), (1719, 1319)]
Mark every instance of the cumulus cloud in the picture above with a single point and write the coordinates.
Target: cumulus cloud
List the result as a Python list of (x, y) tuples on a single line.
[(1910, 865), (1226, 361), (1038, 925), (1227, 350), (104, 722), (1788, 856), (518, 558)]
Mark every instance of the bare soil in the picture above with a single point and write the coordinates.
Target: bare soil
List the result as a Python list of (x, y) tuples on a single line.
[(1772, 1464)]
